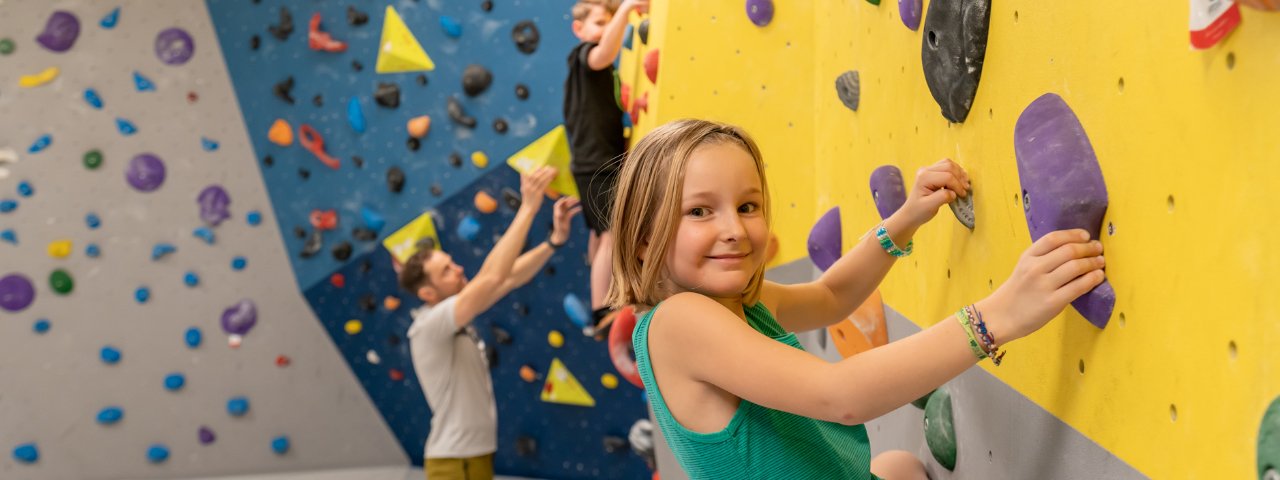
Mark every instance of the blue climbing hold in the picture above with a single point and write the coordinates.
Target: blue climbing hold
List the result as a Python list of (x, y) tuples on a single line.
[(110, 415), (254, 218), (24, 189), (451, 27), (109, 355), (142, 294), (40, 144), (191, 279), (41, 326), (126, 127), (143, 83), (92, 221), (157, 453), (204, 233), (91, 97), (577, 311), (355, 116), (161, 250), (208, 144), (280, 445), (626, 38), (238, 406), (238, 263), (8, 205), (174, 382), (469, 228), (26, 453), (10, 236), (372, 219), (109, 22), (193, 337), (92, 251)]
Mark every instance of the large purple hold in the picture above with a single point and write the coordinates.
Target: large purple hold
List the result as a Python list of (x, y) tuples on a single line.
[(238, 319), (910, 11), (1062, 185), (60, 32), (145, 172), (825, 240), (888, 190), (213, 202), (16, 292), (760, 12), (174, 46)]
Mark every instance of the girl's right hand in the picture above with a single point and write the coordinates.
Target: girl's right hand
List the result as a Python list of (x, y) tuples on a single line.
[(1050, 274)]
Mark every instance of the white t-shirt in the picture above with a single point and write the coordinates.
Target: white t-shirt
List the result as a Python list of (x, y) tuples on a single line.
[(454, 374)]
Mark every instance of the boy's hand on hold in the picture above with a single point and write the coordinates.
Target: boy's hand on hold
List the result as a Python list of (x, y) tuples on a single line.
[(640, 6), (1051, 273), (533, 187), (565, 209), (936, 185)]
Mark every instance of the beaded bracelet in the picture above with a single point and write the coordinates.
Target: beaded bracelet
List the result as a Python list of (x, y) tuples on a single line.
[(963, 317), (882, 236), (971, 318)]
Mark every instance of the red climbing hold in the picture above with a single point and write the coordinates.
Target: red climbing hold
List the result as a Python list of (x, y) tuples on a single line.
[(338, 280), (626, 97), (314, 143), (396, 375), (192, 97), (322, 41), (324, 219), (651, 65), (282, 361)]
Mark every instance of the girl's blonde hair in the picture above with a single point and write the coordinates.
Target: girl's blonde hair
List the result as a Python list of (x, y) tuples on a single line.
[(646, 208)]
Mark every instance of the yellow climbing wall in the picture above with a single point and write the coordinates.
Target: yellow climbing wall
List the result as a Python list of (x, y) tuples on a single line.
[(1177, 384)]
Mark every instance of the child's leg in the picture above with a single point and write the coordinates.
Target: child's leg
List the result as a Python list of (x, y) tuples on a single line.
[(601, 269), (898, 465)]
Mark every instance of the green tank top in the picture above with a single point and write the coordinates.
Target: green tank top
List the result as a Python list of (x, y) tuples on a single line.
[(759, 442)]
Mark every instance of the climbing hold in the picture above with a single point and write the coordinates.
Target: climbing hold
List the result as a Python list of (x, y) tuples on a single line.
[(142, 83), (255, 42), (364, 234), (825, 241), (9, 236), (458, 115), (1269, 442), (387, 95), (455, 160), (109, 355), (939, 429), (609, 381), (451, 26), (577, 311), (324, 219), (26, 453), (419, 126), (41, 326), (320, 40), (526, 446), (390, 303), (848, 89), (110, 415), (338, 280), (204, 233), (760, 12), (174, 46), (142, 294), (863, 330), (526, 36), (157, 453), (953, 49), (643, 31), (468, 228), (8, 205), (60, 31), (398, 50), (285, 27), (6, 46), (651, 65), (238, 319), (174, 382), (208, 144), (238, 263), (614, 444), (109, 22), (962, 208), (479, 159), (280, 133), (522, 91), (280, 445), (436, 190), (284, 90), (500, 125), (1211, 21), (355, 116), (910, 11), (555, 339), (160, 250), (342, 251), (311, 140), (192, 97), (238, 406), (35, 80), (24, 189), (485, 202), (92, 251), (563, 388), (205, 435), (253, 218), (528, 374), (627, 36), (372, 219), (486, 5), (353, 327), (621, 351), (40, 144), (282, 361), (16, 292), (214, 205), (92, 159), (887, 190), (372, 357), (358, 161), (191, 279), (61, 282), (413, 144), (476, 79), (356, 17), (91, 97), (511, 198), (126, 127), (193, 337), (395, 374), (312, 245)]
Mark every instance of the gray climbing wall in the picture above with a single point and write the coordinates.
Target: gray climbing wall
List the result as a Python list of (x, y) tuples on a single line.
[(53, 384)]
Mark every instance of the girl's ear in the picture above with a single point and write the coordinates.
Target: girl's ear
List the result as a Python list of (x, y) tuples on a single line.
[(642, 250)]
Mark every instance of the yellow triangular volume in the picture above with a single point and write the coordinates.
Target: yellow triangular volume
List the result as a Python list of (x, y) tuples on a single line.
[(562, 387), (404, 242), (551, 149), (399, 51)]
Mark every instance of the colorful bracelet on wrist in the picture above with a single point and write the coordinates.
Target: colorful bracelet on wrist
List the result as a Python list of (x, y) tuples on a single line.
[(882, 236), (971, 318), (963, 317)]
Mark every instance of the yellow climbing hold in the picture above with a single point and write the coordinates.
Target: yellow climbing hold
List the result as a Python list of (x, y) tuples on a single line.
[(405, 242), (60, 248), (555, 338), (561, 387), (552, 149), (280, 133), (399, 51), (419, 126), (353, 327), (46, 76), (609, 380), (480, 159)]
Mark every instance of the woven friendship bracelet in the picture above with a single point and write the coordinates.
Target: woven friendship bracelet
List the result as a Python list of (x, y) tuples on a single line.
[(962, 316), (882, 236)]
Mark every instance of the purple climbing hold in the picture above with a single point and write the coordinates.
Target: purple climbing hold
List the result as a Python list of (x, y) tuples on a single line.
[(16, 292), (238, 319), (825, 240), (1062, 185), (910, 11), (760, 12), (145, 172), (213, 202), (888, 190), (174, 46), (60, 32), (206, 435)]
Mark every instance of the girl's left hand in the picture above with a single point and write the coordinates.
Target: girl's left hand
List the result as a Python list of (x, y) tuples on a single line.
[(936, 185)]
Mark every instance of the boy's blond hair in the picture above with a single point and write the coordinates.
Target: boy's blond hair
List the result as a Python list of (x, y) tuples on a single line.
[(583, 7), (647, 208)]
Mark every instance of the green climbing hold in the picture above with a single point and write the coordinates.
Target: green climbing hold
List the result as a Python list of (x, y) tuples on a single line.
[(874, 2), (939, 430), (922, 401), (6, 46), (61, 282), (1269, 442), (92, 159)]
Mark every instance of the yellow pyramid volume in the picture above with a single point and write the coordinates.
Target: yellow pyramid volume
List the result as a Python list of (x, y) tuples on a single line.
[(551, 149), (562, 387), (399, 51), (404, 242)]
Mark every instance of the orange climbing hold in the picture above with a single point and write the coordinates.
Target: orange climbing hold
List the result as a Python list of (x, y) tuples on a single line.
[(651, 65), (528, 374), (419, 126), (485, 203), (391, 303), (282, 361), (396, 375), (321, 40), (324, 219), (314, 143), (280, 133)]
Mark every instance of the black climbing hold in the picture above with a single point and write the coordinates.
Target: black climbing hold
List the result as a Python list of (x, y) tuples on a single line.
[(952, 51), (342, 251), (387, 95), (356, 65), (476, 79), (436, 191), (368, 303), (526, 446), (413, 144), (522, 91), (848, 89), (255, 42), (492, 355), (358, 161), (455, 160), (500, 334), (644, 31), (366, 267), (614, 444), (511, 198), (421, 79), (393, 340), (317, 100), (500, 126), (458, 115), (551, 270), (284, 90), (299, 232), (521, 308), (304, 173), (526, 36), (268, 160), (364, 234), (356, 17), (395, 179), (313, 244), (285, 28), (486, 5)]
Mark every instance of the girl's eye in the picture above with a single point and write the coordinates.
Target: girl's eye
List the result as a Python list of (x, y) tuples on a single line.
[(748, 208), (698, 212)]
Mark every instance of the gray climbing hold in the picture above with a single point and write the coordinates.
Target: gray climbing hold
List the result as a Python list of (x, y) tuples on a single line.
[(526, 36), (848, 89), (962, 207), (476, 79), (458, 115), (387, 95)]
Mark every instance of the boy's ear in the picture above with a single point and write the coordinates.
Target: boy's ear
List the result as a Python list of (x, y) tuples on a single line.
[(428, 294), (577, 27)]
